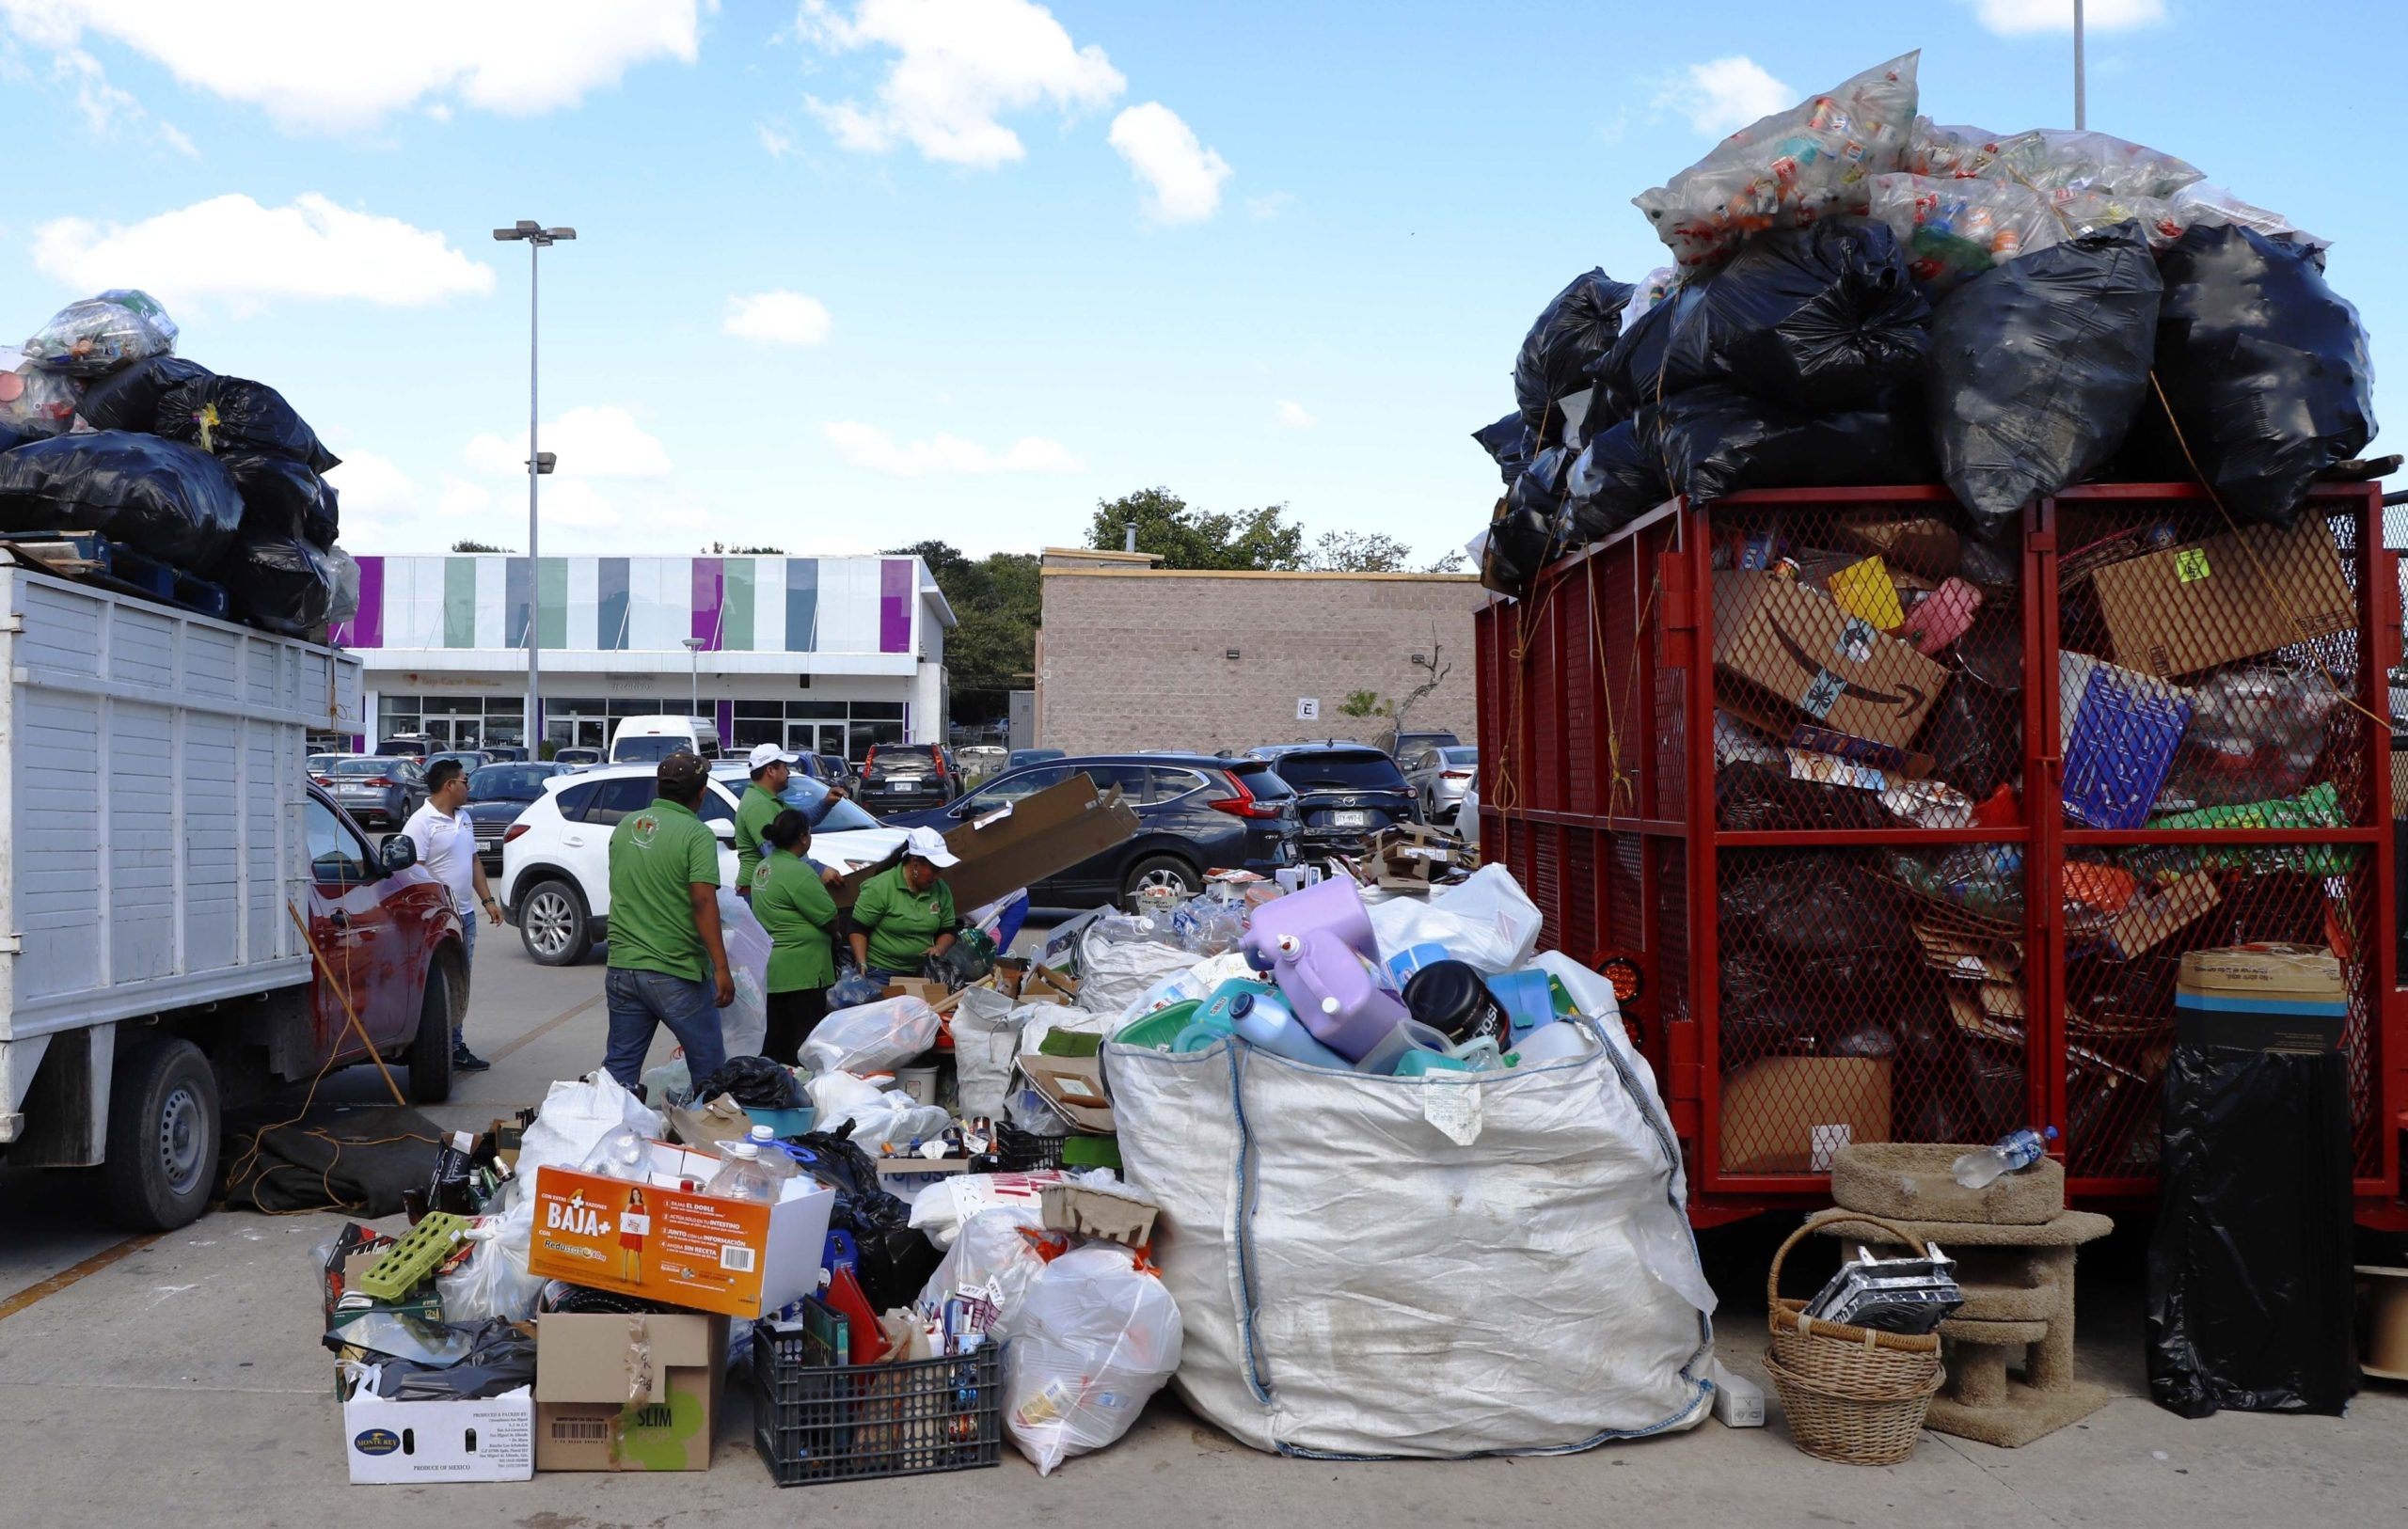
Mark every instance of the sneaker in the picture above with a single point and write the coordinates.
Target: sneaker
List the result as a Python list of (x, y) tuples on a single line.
[(464, 1060)]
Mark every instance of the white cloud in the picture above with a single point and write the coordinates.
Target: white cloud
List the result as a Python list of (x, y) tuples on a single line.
[(960, 66), (461, 499), (1295, 416), (108, 110), (592, 441), (233, 249), (866, 445), (1262, 209), (1182, 178), (2017, 17), (777, 318), (344, 67), (375, 497), (1724, 95), (778, 145)]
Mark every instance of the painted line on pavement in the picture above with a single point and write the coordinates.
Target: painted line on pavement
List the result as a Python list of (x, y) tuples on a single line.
[(545, 1028), (66, 1277)]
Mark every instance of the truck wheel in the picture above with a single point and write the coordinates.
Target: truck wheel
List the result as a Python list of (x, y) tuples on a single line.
[(553, 925), (431, 1047), (162, 1135), (1160, 871)]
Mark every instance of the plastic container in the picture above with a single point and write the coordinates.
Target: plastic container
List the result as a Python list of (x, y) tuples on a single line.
[(2020, 1150), (743, 1176), (1452, 997), (1333, 908), (1405, 1038), (919, 1082), (1202, 1033), (1334, 992), (815, 1421), (1258, 1016), (1159, 1030), (1404, 962), (1526, 998), (1556, 1041), (784, 1122)]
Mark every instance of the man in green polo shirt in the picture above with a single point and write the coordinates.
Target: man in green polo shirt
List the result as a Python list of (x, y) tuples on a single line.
[(668, 966), (761, 803), (905, 915)]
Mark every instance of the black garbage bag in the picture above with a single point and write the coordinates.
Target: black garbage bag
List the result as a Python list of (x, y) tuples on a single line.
[(163, 500), (128, 398), (278, 584), (1749, 797), (232, 416), (1520, 542), (1716, 442), (281, 497), (1823, 317), (2250, 1299), (1570, 334), (2265, 366), (756, 1082), (895, 1260), (500, 1360), (1510, 444), (1615, 479), (1632, 373), (2038, 367)]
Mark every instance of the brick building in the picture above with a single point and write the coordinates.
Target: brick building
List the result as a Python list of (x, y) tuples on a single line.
[(1134, 657)]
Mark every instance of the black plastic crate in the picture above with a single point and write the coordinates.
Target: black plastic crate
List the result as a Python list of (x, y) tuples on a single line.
[(1022, 1151), (815, 1422)]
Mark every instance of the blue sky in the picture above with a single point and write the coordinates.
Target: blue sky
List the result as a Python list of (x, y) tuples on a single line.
[(988, 262)]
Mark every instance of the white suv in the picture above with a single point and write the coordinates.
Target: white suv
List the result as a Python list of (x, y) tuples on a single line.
[(556, 858)]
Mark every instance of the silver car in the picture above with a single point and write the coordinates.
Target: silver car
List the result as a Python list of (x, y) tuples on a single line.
[(1438, 774)]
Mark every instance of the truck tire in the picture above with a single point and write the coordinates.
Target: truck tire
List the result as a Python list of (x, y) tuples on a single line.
[(163, 1122), (1160, 871), (553, 923), (431, 1047)]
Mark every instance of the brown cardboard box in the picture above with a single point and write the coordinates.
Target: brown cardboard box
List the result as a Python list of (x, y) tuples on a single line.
[(2233, 596), (627, 1393), (1835, 668), (2265, 997), (928, 992), (1020, 843), (1923, 544), (1772, 1112), (1075, 1084), (2155, 916)]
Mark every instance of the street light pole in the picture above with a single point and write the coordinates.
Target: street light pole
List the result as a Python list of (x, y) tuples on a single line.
[(2080, 113), (694, 676), (536, 237)]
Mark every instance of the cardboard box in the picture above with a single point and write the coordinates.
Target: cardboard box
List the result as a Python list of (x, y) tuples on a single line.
[(419, 1444), (737, 1257), (1020, 843), (627, 1393), (1836, 668), (2155, 916), (2233, 596), (1922, 545), (1075, 1084), (931, 993), (1788, 1114), (2263, 998)]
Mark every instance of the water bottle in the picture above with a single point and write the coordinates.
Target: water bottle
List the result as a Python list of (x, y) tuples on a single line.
[(743, 1176), (1979, 1170), (773, 1158)]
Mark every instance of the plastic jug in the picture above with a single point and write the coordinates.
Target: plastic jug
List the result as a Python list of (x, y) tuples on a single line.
[(1526, 998), (1334, 908), (1556, 1041), (1404, 962), (1334, 992), (1406, 1040), (1257, 1013), (1452, 997), (1202, 1033), (1159, 1030)]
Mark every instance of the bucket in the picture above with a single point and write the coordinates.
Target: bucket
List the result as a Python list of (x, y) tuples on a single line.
[(919, 1082), (1159, 1030)]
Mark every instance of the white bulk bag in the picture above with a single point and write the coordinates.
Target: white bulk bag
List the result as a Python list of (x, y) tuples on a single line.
[(1453, 1264)]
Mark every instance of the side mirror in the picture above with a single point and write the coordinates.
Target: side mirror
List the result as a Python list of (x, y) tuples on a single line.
[(399, 852)]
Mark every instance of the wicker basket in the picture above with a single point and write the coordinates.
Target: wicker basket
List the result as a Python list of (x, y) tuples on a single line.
[(1852, 1394)]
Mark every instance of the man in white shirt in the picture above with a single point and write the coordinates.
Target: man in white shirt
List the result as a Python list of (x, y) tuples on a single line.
[(447, 846)]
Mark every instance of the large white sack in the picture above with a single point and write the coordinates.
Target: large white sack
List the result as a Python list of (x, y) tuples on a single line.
[(986, 1042), (1114, 973), (871, 1037), (1444, 1266)]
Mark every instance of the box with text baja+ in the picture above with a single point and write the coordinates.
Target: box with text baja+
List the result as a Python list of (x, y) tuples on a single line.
[(666, 1241), (638, 1393), (1021, 843), (1837, 668), (418, 1443)]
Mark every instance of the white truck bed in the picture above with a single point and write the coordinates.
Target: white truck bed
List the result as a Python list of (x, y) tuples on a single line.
[(152, 776)]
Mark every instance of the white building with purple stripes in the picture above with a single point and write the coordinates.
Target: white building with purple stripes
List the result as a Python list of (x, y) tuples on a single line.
[(820, 654)]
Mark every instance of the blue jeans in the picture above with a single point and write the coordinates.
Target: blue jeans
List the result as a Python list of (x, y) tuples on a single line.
[(468, 961), (640, 1002)]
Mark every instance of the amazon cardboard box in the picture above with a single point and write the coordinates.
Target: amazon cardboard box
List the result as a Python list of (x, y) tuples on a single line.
[(1020, 842), (2233, 596), (667, 1242), (1789, 1115), (627, 1393), (1836, 668)]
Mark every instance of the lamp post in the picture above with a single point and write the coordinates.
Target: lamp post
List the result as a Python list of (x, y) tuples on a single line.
[(537, 239), (694, 674), (2081, 107)]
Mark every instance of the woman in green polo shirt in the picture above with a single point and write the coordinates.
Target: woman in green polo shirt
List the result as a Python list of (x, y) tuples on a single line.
[(905, 915), (790, 898)]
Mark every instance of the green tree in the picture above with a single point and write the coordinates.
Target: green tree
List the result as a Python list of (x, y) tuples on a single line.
[(465, 545), (993, 647), (1363, 703), (1184, 536), (1359, 552)]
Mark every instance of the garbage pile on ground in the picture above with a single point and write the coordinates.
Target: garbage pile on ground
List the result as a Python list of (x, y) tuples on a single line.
[(121, 460), (1861, 295)]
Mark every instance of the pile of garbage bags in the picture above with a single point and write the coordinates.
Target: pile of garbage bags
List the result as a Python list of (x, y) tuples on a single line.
[(1864, 296), (105, 429)]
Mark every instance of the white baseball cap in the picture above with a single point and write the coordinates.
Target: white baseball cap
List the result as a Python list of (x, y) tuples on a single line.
[(765, 754), (929, 846)]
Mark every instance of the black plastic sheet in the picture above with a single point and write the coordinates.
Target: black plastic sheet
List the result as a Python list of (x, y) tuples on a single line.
[(235, 417), (2250, 1298), (1717, 441), (167, 500), (2038, 367), (756, 1082), (499, 1360), (1822, 319), (1571, 334)]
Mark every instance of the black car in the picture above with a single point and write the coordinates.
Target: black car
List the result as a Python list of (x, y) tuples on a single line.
[(496, 795), (908, 777), (833, 770), (1195, 814), (1346, 792)]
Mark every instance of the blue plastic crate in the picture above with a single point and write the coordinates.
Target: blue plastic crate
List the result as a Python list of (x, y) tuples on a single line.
[(2126, 729)]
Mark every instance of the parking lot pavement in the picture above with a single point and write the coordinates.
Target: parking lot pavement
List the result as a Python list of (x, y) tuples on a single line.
[(184, 1376)]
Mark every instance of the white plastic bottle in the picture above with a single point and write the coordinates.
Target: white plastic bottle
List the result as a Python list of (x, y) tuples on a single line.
[(744, 1177), (780, 1166), (2019, 1151)]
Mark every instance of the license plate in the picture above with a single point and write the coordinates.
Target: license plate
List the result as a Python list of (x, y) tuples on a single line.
[(1350, 820), (899, 786)]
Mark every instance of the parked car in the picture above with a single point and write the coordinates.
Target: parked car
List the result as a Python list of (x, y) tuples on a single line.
[(980, 760), (406, 745), (383, 789), (1195, 814), (470, 760), (1438, 774), (640, 739), (909, 777), (836, 771), (1402, 746), (321, 768), (496, 795), (577, 756), (505, 754), (1032, 756), (1346, 791), (555, 857)]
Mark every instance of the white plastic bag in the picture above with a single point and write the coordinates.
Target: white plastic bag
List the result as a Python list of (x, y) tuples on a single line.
[(35, 401), (872, 1037), (1094, 1339), (1953, 229), (99, 334), (1487, 921), (575, 1118), (995, 1257), (943, 1206), (494, 1281), (745, 1023), (1195, 982)]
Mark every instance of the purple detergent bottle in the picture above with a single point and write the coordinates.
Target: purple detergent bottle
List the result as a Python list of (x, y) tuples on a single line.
[(1334, 991)]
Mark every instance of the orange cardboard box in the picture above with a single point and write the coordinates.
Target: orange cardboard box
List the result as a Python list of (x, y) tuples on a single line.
[(659, 1240)]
